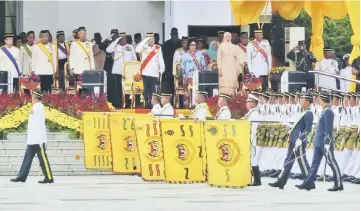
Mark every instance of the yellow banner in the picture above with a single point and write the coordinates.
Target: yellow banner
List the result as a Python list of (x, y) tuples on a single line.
[(124, 143), (97, 143), (228, 153), (183, 156), (150, 149)]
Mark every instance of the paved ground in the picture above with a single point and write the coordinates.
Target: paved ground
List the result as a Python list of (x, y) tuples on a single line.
[(108, 193)]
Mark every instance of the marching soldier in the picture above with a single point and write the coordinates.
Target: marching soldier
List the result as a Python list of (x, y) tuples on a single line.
[(122, 53), (200, 112), (323, 145), (62, 50), (44, 61), (298, 143), (10, 61), (156, 104), (259, 58), (81, 54), (26, 53), (254, 115), (327, 65), (224, 113), (36, 142), (152, 65), (167, 109)]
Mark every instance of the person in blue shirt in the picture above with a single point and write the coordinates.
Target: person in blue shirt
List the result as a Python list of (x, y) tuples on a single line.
[(298, 143), (323, 146)]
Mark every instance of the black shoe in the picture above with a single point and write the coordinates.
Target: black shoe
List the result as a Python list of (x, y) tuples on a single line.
[(276, 174), (344, 176), (335, 188), (305, 187), (349, 179), (256, 176), (17, 180), (45, 181), (356, 181), (300, 177), (319, 179), (276, 184)]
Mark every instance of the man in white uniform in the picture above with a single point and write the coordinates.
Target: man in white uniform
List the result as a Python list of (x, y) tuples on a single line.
[(156, 104), (44, 61), (327, 65), (122, 52), (10, 62), (224, 113), (26, 52), (81, 54), (201, 111), (167, 110), (152, 65), (259, 58), (36, 142)]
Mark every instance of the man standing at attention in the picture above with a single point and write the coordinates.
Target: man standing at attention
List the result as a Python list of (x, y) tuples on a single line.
[(259, 58), (327, 65), (152, 66), (36, 142), (62, 52), (26, 53)]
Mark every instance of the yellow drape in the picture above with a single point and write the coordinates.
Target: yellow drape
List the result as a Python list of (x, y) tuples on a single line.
[(334, 9), (246, 12), (289, 10), (317, 30)]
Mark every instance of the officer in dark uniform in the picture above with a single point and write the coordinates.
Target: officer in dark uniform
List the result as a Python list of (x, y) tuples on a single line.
[(298, 143), (323, 145), (304, 60)]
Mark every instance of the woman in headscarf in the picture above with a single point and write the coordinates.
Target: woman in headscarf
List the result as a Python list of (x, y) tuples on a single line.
[(212, 50), (228, 66)]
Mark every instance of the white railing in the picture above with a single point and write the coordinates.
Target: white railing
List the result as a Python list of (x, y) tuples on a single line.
[(318, 73)]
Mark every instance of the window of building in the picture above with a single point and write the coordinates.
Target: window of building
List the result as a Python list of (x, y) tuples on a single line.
[(10, 16)]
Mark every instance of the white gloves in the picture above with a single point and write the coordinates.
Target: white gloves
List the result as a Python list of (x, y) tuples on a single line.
[(181, 116), (327, 147), (298, 143)]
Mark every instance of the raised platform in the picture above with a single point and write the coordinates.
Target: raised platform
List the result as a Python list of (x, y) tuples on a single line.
[(185, 112)]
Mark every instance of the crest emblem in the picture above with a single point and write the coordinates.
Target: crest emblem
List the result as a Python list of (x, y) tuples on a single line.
[(170, 132), (87, 45), (102, 144), (153, 149), (129, 143), (228, 152), (213, 131), (225, 153), (183, 152)]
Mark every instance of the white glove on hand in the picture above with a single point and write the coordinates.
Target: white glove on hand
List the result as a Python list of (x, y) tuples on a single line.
[(327, 147), (181, 116), (298, 143)]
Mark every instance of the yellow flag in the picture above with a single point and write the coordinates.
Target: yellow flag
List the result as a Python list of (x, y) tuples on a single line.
[(183, 156), (150, 149), (124, 143), (97, 143), (228, 153)]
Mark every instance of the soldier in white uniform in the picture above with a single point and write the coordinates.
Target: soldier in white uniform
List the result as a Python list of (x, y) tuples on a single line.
[(167, 110), (122, 52), (36, 142), (152, 66), (156, 104), (259, 58), (10, 62), (44, 61), (224, 113), (327, 65), (200, 112), (178, 55), (81, 54), (254, 115), (26, 52)]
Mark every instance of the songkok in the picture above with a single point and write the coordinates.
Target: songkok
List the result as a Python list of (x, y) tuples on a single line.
[(252, 98), (328, 48), (82, 28), (220, 32), (166, 95), (325, 95), (60, 33), (285, 94), (225, 96), (244, 34), (266, 94), (8, 35), (114, 31), (184, 38), (353, 94), (75, 30), (137, 35), (347, 94), (96, 34), (292, 94), (337, 94), (38, 93), (301, 42), (43, 31), (149, 34), (205, 94), (156, 95)]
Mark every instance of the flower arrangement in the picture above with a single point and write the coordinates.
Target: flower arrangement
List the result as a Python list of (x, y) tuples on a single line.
[(237, 105), (137, 77), (276, 73), (34, 77)]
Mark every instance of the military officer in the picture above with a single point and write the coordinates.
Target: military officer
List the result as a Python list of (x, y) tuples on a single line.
[(167, 110), (156, 104), (303, 61), (36, 142), (44, 61), (62, 50), (26, 53), (243, 49), (327, 65), (254, 115), (200, 112), (10, 61), (178, 55), (323, 145), (298, 142), (259, 57), (224, 112)]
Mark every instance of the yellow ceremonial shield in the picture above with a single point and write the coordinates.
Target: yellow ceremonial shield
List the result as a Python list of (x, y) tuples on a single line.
[(97, 143), (183, 154), (124, 143), (228, 153), (150, 149)]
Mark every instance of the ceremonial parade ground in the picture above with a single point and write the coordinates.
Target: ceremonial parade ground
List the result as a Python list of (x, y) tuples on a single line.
[(108, 193)]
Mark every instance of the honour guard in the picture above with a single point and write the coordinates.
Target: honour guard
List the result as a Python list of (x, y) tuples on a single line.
[(44, 61), (167, 110), (81, 54), (62, 50), (122, 53), (26, 51), (323, 145), (10, 61), (327, 65), (36, 142), (254, 115), (156, 104), (259, 57), (298, 142), (152, 65), (200, 112), (224, 113)]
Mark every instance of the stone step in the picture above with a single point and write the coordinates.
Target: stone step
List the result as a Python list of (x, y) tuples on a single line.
[(6, 159), (11, 144), (36, 167), (50, 136), (59, 173), (51, 151)]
